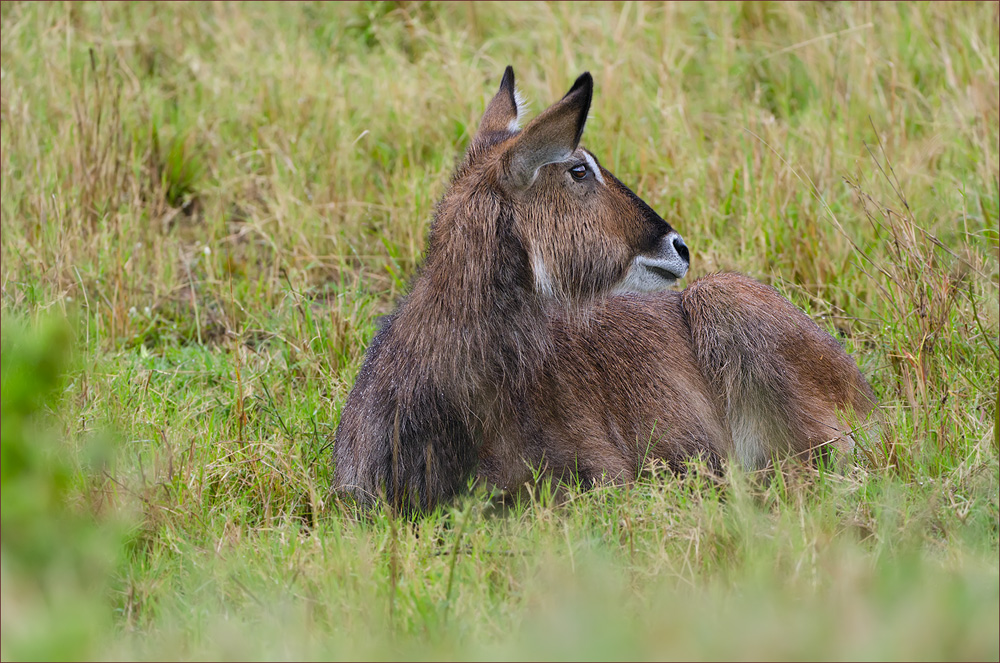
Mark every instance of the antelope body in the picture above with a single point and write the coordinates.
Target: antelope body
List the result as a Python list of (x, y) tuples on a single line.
[(539, 334)]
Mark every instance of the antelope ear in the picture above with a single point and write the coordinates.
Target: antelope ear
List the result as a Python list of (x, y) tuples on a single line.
[(501, 112), (552, 136)]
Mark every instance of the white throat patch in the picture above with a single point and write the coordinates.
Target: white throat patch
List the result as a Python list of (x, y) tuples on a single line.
[(543, 282)]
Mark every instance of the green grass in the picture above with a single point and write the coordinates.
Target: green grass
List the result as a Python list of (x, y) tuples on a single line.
[(206, 208)]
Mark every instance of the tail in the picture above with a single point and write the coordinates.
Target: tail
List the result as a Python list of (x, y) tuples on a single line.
[(786, 386)]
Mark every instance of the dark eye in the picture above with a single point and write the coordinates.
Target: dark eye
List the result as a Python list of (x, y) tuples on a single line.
[(578, 172)]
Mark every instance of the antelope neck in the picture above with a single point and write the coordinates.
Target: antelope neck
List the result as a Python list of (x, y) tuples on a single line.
[(473, 319)]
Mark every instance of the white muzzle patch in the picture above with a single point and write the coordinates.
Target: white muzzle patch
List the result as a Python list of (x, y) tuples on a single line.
[(657, 272)]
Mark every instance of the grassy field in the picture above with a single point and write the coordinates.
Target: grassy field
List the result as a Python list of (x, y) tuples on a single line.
[(206, 207)]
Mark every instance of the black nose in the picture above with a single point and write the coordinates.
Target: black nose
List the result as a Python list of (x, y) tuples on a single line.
[(682, 249)]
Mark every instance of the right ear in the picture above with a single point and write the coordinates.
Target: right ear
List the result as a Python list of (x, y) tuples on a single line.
[(551, 137), (501, 112)]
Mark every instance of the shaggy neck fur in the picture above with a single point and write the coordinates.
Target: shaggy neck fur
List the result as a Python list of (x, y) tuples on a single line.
[(472, 327)]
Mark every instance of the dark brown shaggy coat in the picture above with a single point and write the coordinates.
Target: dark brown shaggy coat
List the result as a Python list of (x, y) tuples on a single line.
[(525, 343)]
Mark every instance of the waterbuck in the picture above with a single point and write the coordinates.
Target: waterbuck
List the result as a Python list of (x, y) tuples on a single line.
[(539, 335)]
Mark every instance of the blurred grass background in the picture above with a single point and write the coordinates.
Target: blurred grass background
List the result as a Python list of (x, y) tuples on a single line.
[(206, 207)]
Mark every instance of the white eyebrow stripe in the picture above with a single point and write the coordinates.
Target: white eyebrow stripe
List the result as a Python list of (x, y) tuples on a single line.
[(593, 166)]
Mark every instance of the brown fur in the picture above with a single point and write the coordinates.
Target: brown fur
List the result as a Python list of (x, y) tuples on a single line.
[(511, 353)]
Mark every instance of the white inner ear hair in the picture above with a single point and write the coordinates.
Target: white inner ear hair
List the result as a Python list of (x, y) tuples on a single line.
[(522, 110)]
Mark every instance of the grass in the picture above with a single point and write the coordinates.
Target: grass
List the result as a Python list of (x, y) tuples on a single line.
[(206, 208)]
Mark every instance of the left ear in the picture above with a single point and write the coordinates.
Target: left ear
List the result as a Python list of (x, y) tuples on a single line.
[(501, 112), (551, 137)]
